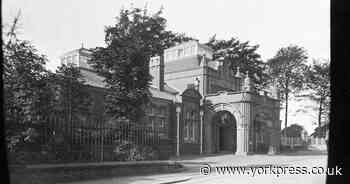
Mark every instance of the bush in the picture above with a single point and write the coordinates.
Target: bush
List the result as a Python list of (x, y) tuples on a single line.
[(127, 151)]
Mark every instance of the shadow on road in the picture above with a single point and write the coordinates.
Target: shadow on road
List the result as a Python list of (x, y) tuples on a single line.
[(306, 152), (190, 157)]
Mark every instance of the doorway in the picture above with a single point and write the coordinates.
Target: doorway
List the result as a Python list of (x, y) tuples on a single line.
[(225, 132), (227, 140)]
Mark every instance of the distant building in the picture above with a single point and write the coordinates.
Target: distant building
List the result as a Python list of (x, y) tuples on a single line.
[(77, 57), (211, 107)]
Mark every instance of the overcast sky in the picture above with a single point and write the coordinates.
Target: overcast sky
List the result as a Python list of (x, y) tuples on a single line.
[(55, 27)]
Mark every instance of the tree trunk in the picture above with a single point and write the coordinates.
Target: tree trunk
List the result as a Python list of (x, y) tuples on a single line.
[(286, 114), (320, 112)]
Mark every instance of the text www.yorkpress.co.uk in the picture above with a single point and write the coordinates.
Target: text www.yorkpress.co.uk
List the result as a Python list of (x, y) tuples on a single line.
[(268, 170)]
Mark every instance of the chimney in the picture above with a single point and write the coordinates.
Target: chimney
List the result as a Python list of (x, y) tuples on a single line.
[(156, 69)]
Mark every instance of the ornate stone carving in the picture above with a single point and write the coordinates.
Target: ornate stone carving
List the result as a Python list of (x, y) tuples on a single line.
[(196, 83), (248, 84)]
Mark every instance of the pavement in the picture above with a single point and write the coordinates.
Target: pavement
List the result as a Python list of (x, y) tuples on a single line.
[(193, 164)]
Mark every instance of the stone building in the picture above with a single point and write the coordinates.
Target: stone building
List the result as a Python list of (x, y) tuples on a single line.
[(200, 104)]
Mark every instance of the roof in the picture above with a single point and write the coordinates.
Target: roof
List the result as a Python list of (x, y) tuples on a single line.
[(93, 79), (80, 50), (156, 93), (169, 89), (190, 42), (206, 47)]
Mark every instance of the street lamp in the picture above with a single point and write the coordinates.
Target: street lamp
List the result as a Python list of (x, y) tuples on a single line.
[(201, 113), (178, 110)]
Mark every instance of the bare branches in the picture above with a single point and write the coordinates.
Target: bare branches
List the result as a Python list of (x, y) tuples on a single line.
[(11, 35)]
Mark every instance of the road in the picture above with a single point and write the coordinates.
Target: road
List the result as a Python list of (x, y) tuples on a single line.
[(307, 161), (192, 174)]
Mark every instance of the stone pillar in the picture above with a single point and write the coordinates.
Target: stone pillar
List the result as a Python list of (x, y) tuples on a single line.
[(277, 126), (273, 141), (238, 82), (243, 129), (201, 113), (246, 117), (204, 82)]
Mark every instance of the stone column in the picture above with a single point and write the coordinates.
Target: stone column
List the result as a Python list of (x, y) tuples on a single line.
[(273, 141), (278, 135), (243, 129), (204, 82), (201, 113)]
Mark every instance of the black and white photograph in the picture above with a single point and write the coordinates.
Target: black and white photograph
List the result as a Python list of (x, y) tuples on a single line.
[(160, 91)]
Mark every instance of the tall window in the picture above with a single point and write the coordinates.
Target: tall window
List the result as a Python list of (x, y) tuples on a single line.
[(180, 53), (158, 117), (191, 127)]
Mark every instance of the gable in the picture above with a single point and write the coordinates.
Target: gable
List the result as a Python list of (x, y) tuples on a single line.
[(191, 93)]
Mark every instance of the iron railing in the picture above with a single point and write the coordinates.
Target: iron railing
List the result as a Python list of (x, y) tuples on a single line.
[(90, 138)]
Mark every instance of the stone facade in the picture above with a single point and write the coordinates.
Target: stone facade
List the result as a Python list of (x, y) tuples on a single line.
[(203, 106)]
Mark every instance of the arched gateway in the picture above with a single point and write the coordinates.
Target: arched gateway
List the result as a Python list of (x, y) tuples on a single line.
[(224, 131), (242, 122)]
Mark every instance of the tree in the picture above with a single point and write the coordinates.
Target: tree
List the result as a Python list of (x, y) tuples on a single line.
[(293, 130), (287, 69), (124, 60), (240, 54), (318, 85), (24, 79), (30, 91), (70, 95), (321, 131)]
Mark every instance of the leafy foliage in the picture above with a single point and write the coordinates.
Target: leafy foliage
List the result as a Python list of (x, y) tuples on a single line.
[(127, 151), (241, 54), (70, 94), (293, 130), (321, 131), (318, 83), (287, 69), (25, 87), (32, 94), (124, 61)]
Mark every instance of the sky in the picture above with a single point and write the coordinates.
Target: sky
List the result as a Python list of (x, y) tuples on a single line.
[(56, 27)]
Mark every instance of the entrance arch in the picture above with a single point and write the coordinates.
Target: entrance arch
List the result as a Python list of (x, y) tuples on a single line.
[(225, 131)]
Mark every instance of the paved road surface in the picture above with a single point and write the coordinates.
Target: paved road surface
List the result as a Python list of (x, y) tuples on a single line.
[(193, 164), (315, 161)]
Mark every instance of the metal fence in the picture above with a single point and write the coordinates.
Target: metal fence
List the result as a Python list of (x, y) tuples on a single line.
[(90, 138), (317, 141), (292, 141)]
